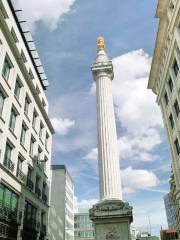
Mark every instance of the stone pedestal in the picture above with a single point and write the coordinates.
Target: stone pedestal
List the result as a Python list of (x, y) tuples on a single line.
[(112, 220)]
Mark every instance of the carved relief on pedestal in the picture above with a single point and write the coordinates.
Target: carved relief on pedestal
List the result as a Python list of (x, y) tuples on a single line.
[(112, 235)]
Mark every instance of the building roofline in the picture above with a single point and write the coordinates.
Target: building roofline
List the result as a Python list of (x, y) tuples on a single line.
[(161, 13), (25, 42), (61, 167)]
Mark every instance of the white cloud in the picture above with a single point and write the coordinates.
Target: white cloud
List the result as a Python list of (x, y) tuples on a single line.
[(92, 155), (84, 205), (136, 108), (50, 12), (62, 126), (135, 179)]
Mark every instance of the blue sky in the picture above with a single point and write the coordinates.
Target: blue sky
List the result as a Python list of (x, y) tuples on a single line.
[(65, 32)]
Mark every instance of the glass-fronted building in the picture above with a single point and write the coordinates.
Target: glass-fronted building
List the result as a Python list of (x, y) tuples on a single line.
[(83, 227)]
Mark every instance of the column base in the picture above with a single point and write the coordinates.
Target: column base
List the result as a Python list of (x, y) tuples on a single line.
[(112, 219)]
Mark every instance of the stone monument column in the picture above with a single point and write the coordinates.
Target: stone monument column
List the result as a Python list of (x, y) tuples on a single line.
[(112, 216)]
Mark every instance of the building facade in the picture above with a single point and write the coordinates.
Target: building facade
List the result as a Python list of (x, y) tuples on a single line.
[(61, 214), (83, 227), (25, 132), (165, 83), (169, 211)]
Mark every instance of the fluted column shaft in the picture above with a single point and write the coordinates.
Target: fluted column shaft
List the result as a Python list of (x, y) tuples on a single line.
[(108, 156)]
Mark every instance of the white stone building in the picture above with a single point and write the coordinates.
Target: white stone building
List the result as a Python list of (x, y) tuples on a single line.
[(25, 132), (61, 214), (83, 227), (165, 83)]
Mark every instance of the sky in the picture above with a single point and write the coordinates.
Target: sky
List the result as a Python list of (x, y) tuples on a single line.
[(65, 32)]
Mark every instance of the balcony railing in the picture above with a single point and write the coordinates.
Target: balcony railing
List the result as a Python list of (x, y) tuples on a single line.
[(38, 192), (6, 213), (9, 164), (30, 184), (21, 175), (44, 197)]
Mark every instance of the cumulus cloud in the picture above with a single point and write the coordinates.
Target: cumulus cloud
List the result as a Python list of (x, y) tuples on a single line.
[(134, 179), (92, 155), (50, 12), (135, 105), (62, 126)]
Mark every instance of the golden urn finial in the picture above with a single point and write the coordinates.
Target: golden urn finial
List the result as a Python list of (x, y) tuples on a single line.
[(100, 44)]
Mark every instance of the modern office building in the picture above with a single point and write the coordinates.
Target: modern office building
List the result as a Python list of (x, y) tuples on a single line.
[(165, 83), (61, 214), (169, 211), (83, 227), (25, 132)]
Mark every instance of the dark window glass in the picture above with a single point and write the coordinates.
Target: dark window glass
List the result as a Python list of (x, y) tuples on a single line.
[(171, 120), (166, 98), (170, 84), (6, 69), (17, 89), (7, 155), (12, 121), (26, 105), (175, 67), (1, 102), (176, 107), (34, 119), (177, 146), (23, 135), (19, 166)]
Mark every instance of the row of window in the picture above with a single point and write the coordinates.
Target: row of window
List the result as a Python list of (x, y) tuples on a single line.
[(14, 115), (84, 225), (82, 218), (19, 173), (84, 234)]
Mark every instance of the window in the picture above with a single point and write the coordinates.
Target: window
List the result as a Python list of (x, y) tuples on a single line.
[(7, 158), (39, 153), (31, 74), (175, 67), (171, 120), (29, 174), (30, 214), (23, 56), (170, 84), (47, 141), (2, 98), (6, 68), (12, 121), (23, 134), (176, 143), (14, 35), (176, 106), (31, 150), (17, 89), (166, 98), (19, 167), (41, 131), (34, 119), (26, 105), (9, 200)]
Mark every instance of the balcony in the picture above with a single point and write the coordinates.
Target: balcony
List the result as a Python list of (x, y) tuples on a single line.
[(38, 192), (44, 197), (9, 164), (30, 184), (21, 175), (6, 214)]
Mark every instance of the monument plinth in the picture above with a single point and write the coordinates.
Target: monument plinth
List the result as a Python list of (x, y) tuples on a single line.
[(112, 216)]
